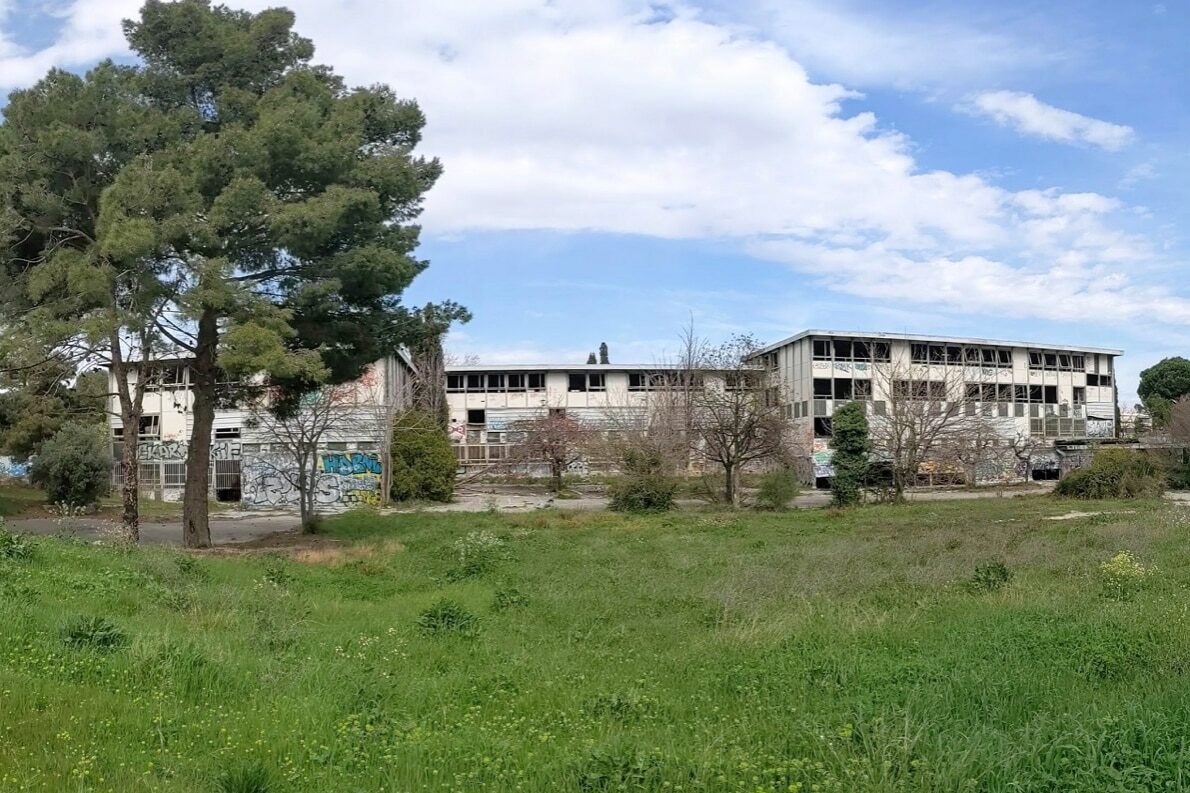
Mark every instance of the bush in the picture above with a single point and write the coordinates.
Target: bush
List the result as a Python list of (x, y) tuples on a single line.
[(13, 546), (423, 460), (478, 553), (247, 778), (777, 489), (74, 466), (448, 616), (93, 632), (851, 448), (644, 485), (1115, 473), (1123, 576), (990, 577)]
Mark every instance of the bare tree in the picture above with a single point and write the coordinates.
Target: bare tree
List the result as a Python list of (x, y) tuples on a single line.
[(327, 413), (555, 439), (926, 410), (1024, 448), (736, 417)]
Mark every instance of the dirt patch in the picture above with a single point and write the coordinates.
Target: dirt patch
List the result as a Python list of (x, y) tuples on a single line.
[(308, 548), (1077, 515)]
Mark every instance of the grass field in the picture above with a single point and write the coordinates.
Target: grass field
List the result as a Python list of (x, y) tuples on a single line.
[(814, 651), (21, 500)]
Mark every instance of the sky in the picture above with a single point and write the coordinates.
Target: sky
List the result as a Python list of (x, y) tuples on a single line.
[(615, 169)]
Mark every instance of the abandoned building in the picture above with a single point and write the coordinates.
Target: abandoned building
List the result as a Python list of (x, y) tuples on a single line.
[(249, 463), (1060, 397)]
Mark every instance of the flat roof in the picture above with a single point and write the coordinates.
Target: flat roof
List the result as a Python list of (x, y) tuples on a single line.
[(563, 367), (942, 339)]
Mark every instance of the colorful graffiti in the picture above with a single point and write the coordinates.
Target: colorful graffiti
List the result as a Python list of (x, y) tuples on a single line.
[(11, 469), (342, 479), (167, 451)]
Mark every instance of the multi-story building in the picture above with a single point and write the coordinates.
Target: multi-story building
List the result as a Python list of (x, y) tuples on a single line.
[(486, 401), (249, 464), (1058, 394)]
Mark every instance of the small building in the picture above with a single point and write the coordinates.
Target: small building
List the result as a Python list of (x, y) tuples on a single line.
[(249, 463)]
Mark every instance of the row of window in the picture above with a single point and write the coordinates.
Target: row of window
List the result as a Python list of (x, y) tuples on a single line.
[(861, 389), (1062, 361), (493, 382), (966, 356), (850, 350)]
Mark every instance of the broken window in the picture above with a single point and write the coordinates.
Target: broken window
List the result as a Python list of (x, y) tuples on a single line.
[(150, 427), (536, 381), (473, 417), (842, 388), (1004, 392), (861, 389), (842, 350), (1078, 362), (595, 381), (974, 391), (1004, 357), (475, 382), (495, 382), (1051, 395), (954, 355), (919, 353), (822, 349), (577, 381), (937, 353), (880, 351), (1035, 360), (823, 388), (454, 383), (861, 351), (516, 382), (1080, 396), (822, 427)]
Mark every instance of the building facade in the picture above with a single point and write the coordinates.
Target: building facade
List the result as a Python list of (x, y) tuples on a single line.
[(1061, 397), (250, 464)]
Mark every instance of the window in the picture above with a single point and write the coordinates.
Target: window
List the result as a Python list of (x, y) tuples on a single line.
[(339, 446), (988, 392), (454, 383), (224, 433), (861, 389), (175, 474), (1064, 360), (577, 382), (1035, 361), (1080, 396), (822, 427), (477, 416), (937, 353), (842, 350), (822, 349), (1078, 362), (595, 381), (475, 382), (880, 351), (516, 382), (150, 475), (971, 355), (822, 388), (1051, 395), (842, 388), (937, 390), (988, 357), (1004, 357), (536, 381), (1051, 360), (637, 381), (954, 355), (150, 427), (1035, 393), (1004, 392), (861, 351), (974, 391), (495, 382), (919, 353)]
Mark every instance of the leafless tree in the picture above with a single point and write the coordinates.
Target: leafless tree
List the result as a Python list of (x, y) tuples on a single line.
[(1024, 448), (555, 439), (328, 413), (926, 410), (736, 417)]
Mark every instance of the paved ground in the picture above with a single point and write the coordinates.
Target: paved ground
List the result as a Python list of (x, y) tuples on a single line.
[(224, 530), (229, 528)]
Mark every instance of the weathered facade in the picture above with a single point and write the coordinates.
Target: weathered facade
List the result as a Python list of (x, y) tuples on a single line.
[(1057, 395), (249, 464)]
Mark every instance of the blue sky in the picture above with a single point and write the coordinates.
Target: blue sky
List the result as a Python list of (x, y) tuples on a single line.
[(616, 167)]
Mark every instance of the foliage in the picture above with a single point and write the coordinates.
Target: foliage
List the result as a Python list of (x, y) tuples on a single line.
[(14, 546), (424, 465), (1168, 379), (448, 616), (250, 777), (555, 439), (990, 576), (644, 485), (777, 489), (74, 466), (477, 553), (94, 633), (1123, 576), (852, 449), (625, 646), (1115, 473)]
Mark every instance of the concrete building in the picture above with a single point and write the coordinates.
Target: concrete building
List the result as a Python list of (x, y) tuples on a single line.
[(248, 463), (1062, 395), (486, 401)]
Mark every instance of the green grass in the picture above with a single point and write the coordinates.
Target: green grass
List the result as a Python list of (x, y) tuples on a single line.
[(809, 651), (21, 500)]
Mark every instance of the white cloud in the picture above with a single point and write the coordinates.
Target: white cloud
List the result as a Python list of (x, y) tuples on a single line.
[(1030, 116), (611, 116), (90, 31)]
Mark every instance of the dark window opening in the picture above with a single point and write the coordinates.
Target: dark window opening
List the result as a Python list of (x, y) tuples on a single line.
[(842, 350), (454, 382), (577, 382), (842, 389), (474, 382), (1080, 395), (476, 416), (822, 427), (861, 389), (1051, 395), (880, 351), (1005, 357), (495, 382), (861, 351), (595, 381), (822, 388), (537, 381), (516, 382), (919, 353), (822, 349)]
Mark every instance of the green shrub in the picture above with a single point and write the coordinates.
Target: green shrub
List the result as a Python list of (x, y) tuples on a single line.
[(777, 489), (74, 466), (448, 616), (852, 447), (423, 461), (1123, 576), (1115, 473), (250, 777), (95, 633), (990, 576), (644, 485), (13, 546)]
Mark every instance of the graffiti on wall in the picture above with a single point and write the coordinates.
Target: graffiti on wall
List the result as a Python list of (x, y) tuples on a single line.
[(11, 469), (1100, 428), (342, 479), (175, 451)]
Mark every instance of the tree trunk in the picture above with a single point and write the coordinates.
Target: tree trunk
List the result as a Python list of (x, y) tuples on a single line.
[(130, 471), (729, 484), (556, 476), (196, 527)]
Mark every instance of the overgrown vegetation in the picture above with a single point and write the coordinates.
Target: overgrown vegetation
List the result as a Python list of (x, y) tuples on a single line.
[(1115, 473), (834, 650), (423, 460), (852, 450), (74, 466), (777, 489), (644, 485)]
